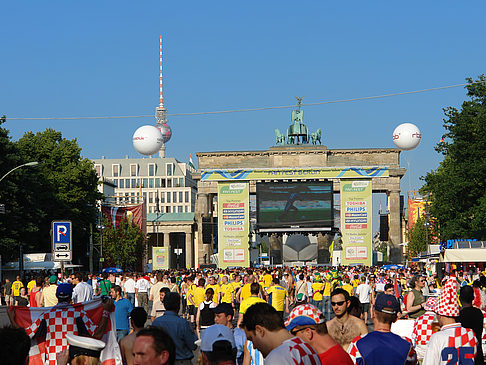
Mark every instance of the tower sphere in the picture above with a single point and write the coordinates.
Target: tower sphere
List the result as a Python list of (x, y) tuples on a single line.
[(165, 130)]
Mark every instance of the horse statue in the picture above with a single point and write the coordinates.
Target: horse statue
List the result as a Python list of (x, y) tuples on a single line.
[(279, 137), (316, 136)]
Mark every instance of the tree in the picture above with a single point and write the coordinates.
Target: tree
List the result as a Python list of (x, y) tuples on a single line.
[(417, 237), (457, 187), (123, 245)]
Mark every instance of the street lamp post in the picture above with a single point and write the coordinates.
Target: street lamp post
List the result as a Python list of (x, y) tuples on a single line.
[(21, 254)]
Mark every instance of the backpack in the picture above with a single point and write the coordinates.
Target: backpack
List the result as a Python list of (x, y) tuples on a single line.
[(206, 317)]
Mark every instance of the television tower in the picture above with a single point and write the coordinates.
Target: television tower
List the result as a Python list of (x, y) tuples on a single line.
[(161, 113)]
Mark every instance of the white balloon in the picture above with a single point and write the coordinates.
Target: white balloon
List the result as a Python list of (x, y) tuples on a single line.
[(147, 140), (407, 136)]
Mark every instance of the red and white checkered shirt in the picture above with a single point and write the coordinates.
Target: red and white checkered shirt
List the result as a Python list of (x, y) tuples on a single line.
[(422, 329), (293, 352), (453, 344), (60, 320)]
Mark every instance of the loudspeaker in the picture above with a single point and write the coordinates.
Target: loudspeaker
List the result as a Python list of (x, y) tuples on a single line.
[(383, 227), (207, 230)]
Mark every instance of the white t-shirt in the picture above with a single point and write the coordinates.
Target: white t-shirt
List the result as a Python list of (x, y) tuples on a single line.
[(82, 292), (363, 291), (129, 286), (142, 285), (211, 305)]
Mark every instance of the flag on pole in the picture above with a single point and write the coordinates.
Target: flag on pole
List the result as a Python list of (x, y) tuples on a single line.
[(61, 320), (395, 286), (331, 249), (191, 163), (442, 139)]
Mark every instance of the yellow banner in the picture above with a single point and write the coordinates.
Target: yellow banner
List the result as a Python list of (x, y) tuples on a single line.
[(301, 173), (233, 224), (160, 258), (356, 222)]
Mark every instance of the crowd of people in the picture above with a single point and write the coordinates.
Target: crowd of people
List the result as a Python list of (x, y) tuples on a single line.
[(282, 315)]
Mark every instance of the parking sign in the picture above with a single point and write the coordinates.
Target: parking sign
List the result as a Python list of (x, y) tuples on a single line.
[(61, 240)]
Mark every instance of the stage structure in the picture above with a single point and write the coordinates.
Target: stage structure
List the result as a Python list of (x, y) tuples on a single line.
[(294, 184)]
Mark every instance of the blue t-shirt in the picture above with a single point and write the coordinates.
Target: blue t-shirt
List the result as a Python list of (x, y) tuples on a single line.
[(123, 308)]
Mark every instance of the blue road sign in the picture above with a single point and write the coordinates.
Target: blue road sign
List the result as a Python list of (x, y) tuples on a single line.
[(61, 233)]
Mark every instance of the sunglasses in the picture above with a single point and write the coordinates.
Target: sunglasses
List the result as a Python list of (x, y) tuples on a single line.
[(294, 332), (338, 303)]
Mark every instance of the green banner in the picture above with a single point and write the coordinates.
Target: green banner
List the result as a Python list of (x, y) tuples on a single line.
[(160, 258), (356, 222), (233, 224)]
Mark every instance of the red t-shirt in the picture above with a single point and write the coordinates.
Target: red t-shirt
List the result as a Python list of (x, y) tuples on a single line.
[(335, 356)]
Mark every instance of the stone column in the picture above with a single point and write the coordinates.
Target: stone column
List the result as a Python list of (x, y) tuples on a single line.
[(394, 223), (200, 211), (189, 255), (169, 250)]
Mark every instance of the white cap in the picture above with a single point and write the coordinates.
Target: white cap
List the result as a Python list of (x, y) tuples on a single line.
[(215, 333), (87, 346)]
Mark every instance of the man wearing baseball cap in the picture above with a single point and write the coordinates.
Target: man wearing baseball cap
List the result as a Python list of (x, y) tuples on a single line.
[(382, 346), (453, 344), (218, 345), (307, 322)]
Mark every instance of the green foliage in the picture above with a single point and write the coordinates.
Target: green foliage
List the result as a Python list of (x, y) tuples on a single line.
[(62, 187), (417, 237), (123, 246), (263, 246), (457, 187)]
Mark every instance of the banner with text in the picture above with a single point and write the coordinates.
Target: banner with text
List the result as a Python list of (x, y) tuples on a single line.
[(233, 224), (160, 258), (356, 222)]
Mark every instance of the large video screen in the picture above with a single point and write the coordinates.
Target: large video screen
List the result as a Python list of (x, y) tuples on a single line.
[(295, 205)]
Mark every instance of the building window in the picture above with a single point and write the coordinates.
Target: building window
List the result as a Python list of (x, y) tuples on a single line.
[(186, 208), (168, 197), (144, 197), (180, 197), (151, 183), (115, 170), (169, 169), (151, 169), (169, 183), (186, 196), (151, 197), (174, 197), (167, 209), (134, 183), (115, 182), (179, 209), (162, 183), (133, 170), (132, 199), (157, 183), (162, 197), (144, 183), (99, 170)]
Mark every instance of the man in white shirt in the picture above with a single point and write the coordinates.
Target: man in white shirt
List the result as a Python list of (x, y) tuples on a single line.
[(154, 295), (82, 292), (363, 291), (129, 289), (142, 287)]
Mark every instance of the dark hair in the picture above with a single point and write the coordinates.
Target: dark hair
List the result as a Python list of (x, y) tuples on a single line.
[(172, 302), (355, 307), (414, 280), (138, 316), (162, 341), (14, 345), (201, 282), (341, 291), (209, 293), (276, 280), (264, 315), (165, 290), (173, 279), (79, 276), (385, 317), (388, 286), (39, 281), (222, 351), (117, 289), (466, 294), (254, 288)]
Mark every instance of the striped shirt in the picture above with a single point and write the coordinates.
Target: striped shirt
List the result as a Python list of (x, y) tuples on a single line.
[(255, 355)]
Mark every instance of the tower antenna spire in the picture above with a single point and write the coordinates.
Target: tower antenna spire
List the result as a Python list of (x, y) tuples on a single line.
[(161, 113), (161, 104)]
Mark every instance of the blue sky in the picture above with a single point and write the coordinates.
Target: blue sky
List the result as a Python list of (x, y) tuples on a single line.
[(100, 58)]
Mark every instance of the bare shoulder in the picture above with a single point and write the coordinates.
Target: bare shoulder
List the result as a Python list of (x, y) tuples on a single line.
[(358, 322), (331, 323), (127, 341)]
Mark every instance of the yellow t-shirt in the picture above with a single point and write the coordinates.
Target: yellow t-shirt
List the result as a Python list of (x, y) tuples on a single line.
[(30, 285), (248, 302), (327, 289), (227, 290), (348, 288), (316, 294), (190, 290), (267, 280), (216, 289), (198, 294), (16, 285), (355, 283), (245, 292), (276, 297), (236, 285)]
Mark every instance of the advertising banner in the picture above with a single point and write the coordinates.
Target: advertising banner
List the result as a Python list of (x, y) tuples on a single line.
[(160, 258), (356, 222), (415, 207), (306, 173), (233, 224)]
